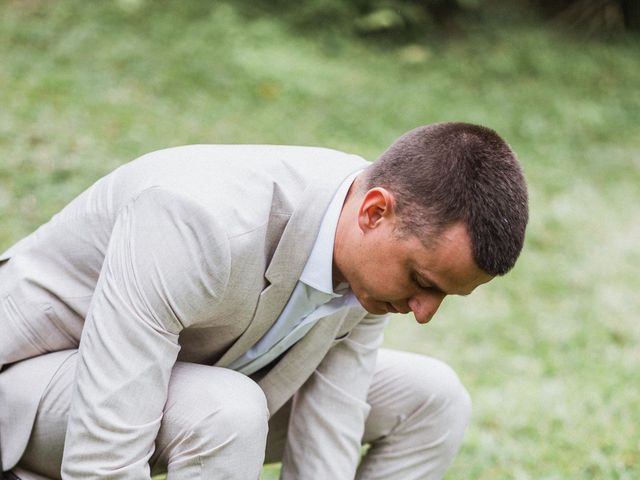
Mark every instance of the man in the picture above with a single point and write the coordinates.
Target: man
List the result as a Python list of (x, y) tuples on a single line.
[(206, 308)]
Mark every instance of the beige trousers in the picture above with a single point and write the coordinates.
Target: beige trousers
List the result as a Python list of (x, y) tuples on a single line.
[(215, 423)]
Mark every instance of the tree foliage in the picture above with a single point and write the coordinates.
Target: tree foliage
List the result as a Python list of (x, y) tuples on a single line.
[(417, 17)]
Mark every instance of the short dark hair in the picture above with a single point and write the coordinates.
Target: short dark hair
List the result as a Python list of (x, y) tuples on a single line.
[(458, 172)]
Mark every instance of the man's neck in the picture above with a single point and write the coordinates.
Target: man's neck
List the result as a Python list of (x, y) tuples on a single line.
[(346, 216)]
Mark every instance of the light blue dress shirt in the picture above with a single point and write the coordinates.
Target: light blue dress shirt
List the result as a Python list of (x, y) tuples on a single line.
[(312, 299)]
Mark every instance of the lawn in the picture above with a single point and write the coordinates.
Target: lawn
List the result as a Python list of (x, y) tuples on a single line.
[(551, 352)]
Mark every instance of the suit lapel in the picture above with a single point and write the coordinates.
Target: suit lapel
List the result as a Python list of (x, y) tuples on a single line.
[(270, 304), (288, 260), (293, 369)]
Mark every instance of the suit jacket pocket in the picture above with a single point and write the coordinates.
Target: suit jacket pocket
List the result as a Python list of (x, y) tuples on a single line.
[(4, 257), (19, 339), (340, 338), (29, 330)]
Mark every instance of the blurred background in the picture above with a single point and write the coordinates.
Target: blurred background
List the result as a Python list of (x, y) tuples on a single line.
[(551, 352)]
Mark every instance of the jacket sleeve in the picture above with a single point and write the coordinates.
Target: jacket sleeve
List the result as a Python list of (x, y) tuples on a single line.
[(165, 267), (329, 411)]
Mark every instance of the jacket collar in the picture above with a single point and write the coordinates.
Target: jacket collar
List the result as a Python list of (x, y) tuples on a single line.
[(289, 259)]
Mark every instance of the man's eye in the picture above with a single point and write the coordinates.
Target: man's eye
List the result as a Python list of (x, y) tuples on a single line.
[(419, 283)]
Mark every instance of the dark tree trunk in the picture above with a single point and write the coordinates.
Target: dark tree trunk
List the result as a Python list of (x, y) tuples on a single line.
[(631, 14)]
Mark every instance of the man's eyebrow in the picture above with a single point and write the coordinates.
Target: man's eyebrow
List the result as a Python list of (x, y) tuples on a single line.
[(424, 278)]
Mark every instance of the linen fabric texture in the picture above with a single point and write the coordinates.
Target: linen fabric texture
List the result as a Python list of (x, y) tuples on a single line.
[(215, 425), (185, 254)]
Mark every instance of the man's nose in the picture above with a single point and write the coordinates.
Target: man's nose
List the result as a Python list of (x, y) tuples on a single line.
[(425, 304)]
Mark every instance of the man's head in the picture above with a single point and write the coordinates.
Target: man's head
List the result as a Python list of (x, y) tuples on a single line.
[(447, 173), (442, 211)]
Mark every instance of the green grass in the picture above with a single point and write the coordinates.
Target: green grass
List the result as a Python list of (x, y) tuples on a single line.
[(550, 353)]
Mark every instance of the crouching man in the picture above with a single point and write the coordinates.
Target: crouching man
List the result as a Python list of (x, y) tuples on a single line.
[(204, 309)]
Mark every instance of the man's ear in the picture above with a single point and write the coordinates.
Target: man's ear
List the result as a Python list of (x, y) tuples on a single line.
[(377, 205)]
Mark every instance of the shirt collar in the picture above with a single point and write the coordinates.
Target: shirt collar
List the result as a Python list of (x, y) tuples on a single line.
[(318, 271)]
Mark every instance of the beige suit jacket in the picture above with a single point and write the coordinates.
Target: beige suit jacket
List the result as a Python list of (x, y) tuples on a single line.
[(188, 254)]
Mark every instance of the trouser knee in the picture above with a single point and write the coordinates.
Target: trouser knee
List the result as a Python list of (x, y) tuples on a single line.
[(419, 412), (442, 393), (214, 420), (436, 390), (419, 392), (214, 414)]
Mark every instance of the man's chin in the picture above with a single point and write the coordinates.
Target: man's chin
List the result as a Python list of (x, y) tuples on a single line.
[(376, 308)]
